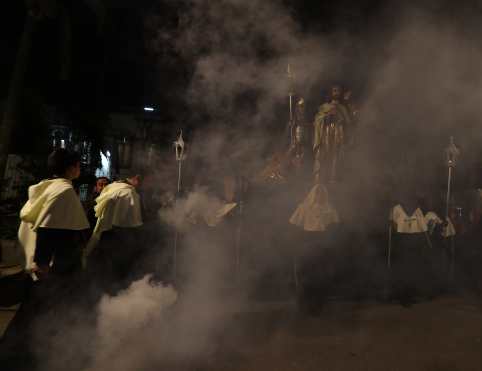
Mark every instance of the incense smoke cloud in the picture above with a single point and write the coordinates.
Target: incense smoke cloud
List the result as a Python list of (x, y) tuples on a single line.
[(199, 207), (235, 36), (427, 90), (128, 318), (240, 52)]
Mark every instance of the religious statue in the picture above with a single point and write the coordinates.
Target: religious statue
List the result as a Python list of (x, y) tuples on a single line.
[(330, 125)]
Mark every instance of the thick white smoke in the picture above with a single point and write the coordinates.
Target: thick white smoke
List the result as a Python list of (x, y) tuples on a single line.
[(241, 49), (125, 325), (199, 207)]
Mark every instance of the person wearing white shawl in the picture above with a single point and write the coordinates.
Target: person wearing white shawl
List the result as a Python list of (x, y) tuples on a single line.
[(51, 234), (420, 264), (53, 218), (114, 244), (118, 206)]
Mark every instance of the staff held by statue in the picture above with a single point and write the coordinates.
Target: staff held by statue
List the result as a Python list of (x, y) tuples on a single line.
[(179, 147), (291, 96), (452, 153)]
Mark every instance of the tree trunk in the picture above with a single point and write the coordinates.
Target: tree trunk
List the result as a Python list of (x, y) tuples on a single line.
[(15, 91)]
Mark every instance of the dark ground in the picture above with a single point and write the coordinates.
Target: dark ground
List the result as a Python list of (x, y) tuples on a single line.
[(444, 334)]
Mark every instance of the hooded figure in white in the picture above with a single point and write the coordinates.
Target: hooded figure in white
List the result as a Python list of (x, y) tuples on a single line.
[(53, 217), (117, 206)]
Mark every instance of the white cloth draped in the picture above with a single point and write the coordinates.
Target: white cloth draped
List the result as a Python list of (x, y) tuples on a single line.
[(117, 206), (51, 203), (315, 213), (417, 222)]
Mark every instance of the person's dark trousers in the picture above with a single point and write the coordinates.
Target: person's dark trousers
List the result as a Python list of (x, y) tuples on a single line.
[(47, 302), (413, 273), (42, 315), (112, 260)]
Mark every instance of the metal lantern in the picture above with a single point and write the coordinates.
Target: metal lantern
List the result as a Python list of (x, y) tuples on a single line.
[(124, 148)]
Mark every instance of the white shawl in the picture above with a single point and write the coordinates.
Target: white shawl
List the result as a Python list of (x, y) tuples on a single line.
[(418, 222), (51, 203), (117, 206)]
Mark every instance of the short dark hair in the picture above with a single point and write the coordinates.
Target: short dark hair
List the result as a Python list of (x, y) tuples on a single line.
[(60, 160)]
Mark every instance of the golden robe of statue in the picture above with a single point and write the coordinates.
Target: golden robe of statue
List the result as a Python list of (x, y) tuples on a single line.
[(329, 138)]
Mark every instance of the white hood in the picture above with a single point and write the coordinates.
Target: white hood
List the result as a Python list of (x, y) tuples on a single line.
[(117, 206)]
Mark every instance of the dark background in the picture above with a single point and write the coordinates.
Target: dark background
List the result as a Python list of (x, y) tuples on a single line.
[(112, 61)]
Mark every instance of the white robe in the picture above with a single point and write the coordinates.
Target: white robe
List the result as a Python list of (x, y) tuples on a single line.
[(417, 222), (315, 213), (405, 223), (51, 203), (117, 206)]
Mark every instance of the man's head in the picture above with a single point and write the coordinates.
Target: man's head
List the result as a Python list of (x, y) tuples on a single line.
[(100, 184), (62, 163), (336, 92)]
